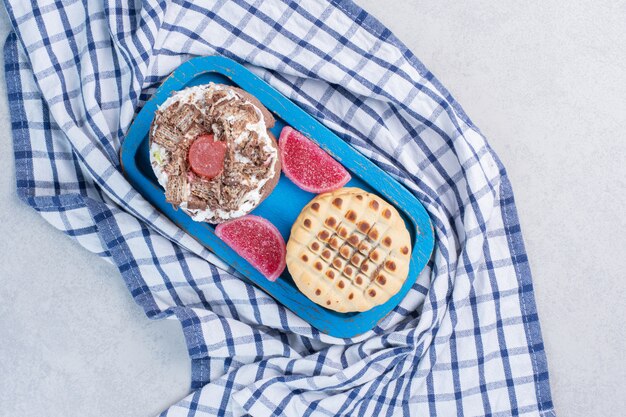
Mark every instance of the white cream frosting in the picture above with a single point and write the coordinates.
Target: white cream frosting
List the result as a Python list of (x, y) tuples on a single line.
[(159, 156)]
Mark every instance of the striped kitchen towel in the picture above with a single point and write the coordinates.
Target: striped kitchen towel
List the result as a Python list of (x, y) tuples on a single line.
[(464, 341)]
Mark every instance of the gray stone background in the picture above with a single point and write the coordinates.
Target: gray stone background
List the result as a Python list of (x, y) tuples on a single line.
[(546, 83)]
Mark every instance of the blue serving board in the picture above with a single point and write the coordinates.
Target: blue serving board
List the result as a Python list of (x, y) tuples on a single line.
[(283, 206)]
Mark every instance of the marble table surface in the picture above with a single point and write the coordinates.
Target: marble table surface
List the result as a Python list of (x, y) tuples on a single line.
[(546, 84)]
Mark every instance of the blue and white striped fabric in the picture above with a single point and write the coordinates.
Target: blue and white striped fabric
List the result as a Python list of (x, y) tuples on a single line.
[(465, 341)]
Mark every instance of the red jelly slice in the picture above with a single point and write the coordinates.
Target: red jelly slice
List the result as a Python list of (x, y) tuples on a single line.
[(308, 165), (257, 241), (206, 157)]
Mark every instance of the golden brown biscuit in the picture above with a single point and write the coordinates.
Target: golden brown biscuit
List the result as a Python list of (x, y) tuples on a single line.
[(349, 250)]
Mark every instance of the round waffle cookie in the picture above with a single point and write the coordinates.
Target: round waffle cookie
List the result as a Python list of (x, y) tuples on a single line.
[(349, 250)]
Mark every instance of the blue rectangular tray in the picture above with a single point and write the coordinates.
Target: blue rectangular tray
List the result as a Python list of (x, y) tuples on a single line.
[(287, 200)]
